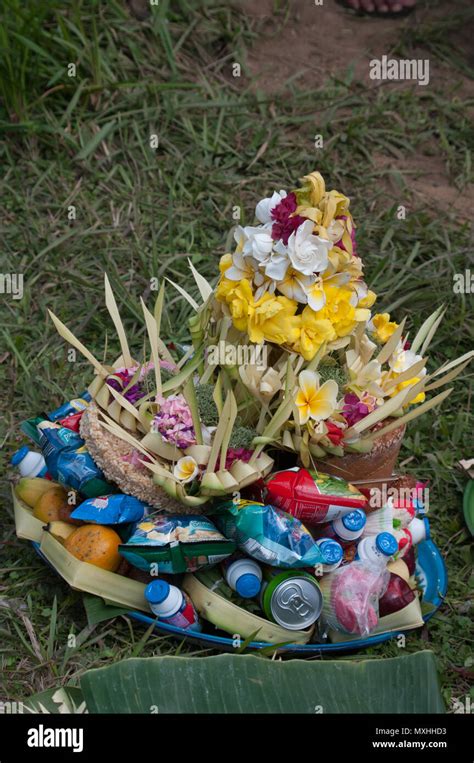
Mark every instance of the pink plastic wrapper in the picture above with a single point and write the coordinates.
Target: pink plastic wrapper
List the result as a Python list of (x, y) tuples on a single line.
[(351, 597)]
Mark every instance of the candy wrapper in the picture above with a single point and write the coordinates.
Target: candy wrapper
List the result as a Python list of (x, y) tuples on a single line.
[(313, 497), (351, 597), (176, 543), (111, 510), (268, 534)]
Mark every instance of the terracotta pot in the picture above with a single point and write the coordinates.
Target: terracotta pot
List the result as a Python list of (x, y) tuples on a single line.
[(370, 469)]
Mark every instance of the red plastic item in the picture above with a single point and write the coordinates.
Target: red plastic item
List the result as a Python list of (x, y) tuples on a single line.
[(313, 499), (72, 422)]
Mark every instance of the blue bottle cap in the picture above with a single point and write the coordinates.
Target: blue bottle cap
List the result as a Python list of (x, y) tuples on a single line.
[(386, 544), (247, 585), (355, 520), (19, 455), (331, 550), (157, 591)]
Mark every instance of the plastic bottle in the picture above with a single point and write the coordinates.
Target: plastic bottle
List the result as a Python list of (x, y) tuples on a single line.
[(29, 463), (379, 548), (417, 531), (332, 552), (171, 605), (244, 576), (349, 527), (345, 530)]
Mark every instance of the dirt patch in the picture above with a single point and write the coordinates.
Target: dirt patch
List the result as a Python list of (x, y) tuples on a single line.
[(314, 42), (427, 184)]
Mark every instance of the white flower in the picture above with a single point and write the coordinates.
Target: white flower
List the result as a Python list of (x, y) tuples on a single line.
[(265, 206), (242, 267), (308, 253), (275, 266), (254, 241), (186, 469), (401, 360)]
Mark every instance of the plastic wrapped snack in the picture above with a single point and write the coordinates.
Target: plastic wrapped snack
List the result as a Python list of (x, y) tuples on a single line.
[(268, 534), (351, 597), (175, 543), (111, 510), (68, 461), (313, 497)]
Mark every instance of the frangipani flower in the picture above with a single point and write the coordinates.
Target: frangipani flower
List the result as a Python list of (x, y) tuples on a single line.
[(382, 327), (242, 267), (186, 469), (308, 253), (264, 207), (315, 402), (402, 360)]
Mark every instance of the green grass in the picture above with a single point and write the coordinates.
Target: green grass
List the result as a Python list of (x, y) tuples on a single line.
[(140, 213)]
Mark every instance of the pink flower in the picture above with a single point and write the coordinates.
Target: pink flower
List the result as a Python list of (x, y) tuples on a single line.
[(174, 421), (285, 221), (354, 410), (237, 454)]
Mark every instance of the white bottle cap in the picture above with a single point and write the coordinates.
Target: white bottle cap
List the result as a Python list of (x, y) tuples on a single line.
[(419, 529)]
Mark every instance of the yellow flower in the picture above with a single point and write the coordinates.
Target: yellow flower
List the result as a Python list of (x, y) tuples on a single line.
[(226, 289), (313, 332), (225, 262), (241, 304), (368, 300), (419, 398), (315, 402), (383, 327), (273, 319), (339, 310), (186, 469), (314, 187)]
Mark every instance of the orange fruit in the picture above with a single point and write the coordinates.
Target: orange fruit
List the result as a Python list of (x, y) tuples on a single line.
[(95, 544), (50, 507)]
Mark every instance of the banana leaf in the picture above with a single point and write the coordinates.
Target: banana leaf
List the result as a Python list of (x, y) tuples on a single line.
[(246, 683), (65, 699)]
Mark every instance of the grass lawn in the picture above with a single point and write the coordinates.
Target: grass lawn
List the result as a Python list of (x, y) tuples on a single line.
[(81, 144)]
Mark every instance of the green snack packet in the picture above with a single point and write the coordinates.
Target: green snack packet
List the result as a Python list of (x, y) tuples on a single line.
[(168, 543)]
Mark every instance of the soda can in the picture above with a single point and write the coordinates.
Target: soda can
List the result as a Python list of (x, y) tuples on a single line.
[(291, 598)]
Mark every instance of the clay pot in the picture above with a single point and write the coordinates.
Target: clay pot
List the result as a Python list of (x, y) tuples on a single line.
[(368, 469)]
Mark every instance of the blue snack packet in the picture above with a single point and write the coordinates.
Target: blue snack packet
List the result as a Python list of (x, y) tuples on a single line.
[(72, 406), (111, 509)]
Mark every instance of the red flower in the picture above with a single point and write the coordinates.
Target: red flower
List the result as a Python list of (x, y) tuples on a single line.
[(335, 433), (285, 221)]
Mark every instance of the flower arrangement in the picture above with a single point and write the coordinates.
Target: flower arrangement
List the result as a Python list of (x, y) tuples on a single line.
[(337, 376), (295, 279)]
